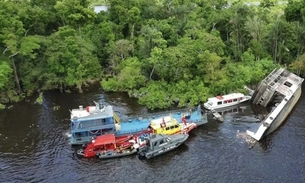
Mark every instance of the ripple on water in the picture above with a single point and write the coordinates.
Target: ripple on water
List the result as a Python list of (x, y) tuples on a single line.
[(37, 149)]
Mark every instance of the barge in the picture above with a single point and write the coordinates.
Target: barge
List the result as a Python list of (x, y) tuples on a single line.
[(92, 121), (282, 89)]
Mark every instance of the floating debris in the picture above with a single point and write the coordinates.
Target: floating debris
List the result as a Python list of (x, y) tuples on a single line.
[(55, 108)]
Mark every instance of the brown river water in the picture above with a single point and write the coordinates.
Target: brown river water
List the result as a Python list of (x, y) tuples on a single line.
[(34, 147)]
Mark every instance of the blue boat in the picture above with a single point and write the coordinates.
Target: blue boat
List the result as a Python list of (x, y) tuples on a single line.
[(92, 121)]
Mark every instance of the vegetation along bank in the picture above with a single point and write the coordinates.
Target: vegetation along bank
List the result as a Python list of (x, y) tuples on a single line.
[(163, 52)]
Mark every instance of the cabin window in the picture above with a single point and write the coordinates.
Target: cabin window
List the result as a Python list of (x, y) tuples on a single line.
[(155, 143), (97, 122), (176, 126), (225, 102), (287, 84), (81, 134), (219, 103), (104, 122), (235, 100), (107, 130), (167, 128), (172, 127)]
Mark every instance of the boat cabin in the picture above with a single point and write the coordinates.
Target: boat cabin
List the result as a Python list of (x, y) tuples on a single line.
[(165, 125), (107, 142), (156, 142), (92, 121), (221, 101), (99, 144)]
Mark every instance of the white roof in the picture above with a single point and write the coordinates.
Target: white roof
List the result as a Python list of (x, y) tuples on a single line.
[(82, 113), (226, 97)]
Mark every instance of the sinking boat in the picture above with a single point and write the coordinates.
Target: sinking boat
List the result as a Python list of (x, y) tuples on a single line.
[(283, 89), (169, 125), (157, 144), (223, 101), (93, 121)]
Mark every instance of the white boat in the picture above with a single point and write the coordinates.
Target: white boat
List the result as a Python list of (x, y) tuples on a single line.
[(222, 101)]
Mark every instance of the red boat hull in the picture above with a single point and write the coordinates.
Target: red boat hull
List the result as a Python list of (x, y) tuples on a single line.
[(104, 143)]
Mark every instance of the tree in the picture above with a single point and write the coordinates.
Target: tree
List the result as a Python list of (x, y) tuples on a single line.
[(238, 32), (281, 40), (299, 65), (120, 51), (5, 72), (295, 11), (74, 13), (70, 61), (131, 76), (15, 40)]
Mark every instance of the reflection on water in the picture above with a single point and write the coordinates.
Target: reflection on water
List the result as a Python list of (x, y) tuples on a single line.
[(34, 147)]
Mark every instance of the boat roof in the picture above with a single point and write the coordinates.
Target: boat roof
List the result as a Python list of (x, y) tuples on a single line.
[(104, 139), (157, 137), (83, 114), (169, 121), (290, 85), (226, 97)]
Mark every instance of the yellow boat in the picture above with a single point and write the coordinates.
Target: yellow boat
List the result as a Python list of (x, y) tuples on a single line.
[(168, 125)]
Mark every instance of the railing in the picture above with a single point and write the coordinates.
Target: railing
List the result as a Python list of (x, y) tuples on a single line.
[(81, 140), (131, 131), (116, 118)]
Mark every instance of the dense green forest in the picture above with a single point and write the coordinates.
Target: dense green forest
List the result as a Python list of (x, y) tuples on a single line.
[(163, 52)]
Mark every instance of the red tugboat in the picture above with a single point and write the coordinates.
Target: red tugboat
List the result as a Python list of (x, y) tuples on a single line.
[(104, 143)]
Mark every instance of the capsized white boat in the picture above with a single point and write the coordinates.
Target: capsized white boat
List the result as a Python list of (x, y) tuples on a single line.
[(282, 88), (222, 101)]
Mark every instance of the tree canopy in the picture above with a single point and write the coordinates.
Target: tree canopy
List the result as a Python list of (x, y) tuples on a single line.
[(163, 52)]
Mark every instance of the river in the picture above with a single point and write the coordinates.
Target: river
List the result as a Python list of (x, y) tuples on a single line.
[(34, 147)]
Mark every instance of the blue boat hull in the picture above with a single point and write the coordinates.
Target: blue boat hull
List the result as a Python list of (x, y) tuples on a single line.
[(139, 124)]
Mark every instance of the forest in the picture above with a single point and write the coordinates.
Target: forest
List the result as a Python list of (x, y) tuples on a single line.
[(163, 52)]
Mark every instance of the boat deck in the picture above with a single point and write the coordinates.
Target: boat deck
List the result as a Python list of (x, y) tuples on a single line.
[(141, 123)]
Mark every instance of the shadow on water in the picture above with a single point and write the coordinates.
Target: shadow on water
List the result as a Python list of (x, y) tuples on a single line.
[(166, 158)]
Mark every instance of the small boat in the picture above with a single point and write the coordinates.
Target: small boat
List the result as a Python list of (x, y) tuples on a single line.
[(157, 144), (169, 125), (222, 101), (92, 121), (103, 143)]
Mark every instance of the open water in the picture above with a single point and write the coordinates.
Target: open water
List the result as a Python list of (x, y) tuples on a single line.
[(34, 147)]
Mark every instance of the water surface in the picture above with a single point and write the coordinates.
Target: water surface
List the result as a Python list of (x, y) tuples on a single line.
[(34, 147)]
